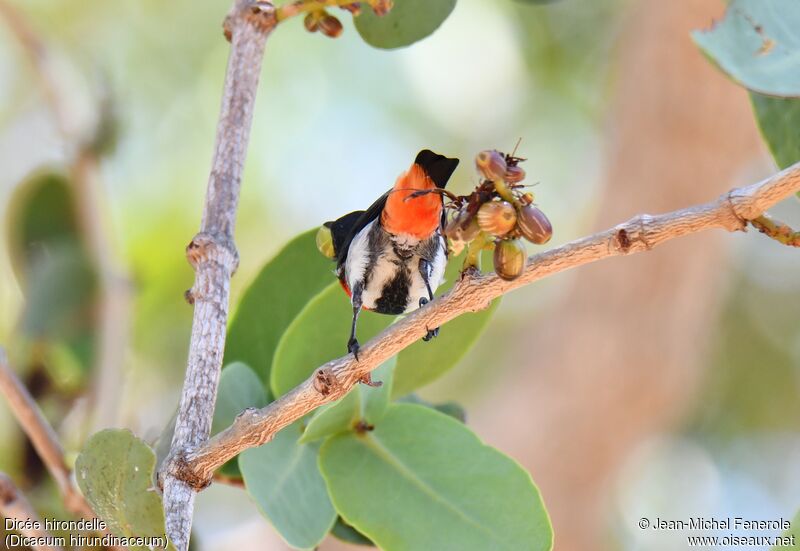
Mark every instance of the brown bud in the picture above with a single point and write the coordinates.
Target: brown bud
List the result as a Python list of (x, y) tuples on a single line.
[(311, 22), (509, 259), (514, 174), (497, 217), (491, 164), (325, 241), (382, 7), (463, 227), (330, 26), (534, 225)]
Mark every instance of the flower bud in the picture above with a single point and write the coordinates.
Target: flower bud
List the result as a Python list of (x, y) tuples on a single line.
[(491, 164), (325, 241), (311, 23), (509, 259), (330, 26), (514, 174), (497, 218), (463, 227), (534, 225)]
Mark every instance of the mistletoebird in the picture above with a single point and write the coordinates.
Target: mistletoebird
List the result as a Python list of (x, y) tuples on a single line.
[(391, 257)]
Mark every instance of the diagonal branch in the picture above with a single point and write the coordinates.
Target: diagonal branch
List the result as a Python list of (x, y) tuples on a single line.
[(472, 293), (213, 255)]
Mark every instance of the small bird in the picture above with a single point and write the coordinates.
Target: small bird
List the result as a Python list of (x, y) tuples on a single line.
[(391, 257)]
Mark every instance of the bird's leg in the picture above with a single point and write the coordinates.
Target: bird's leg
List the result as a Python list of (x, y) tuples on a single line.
[(352, 344), (425, 270)]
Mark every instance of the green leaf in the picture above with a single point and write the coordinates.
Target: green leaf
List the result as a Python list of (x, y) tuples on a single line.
[(115, 473), (239, 389), (757, 45), (362, 403), (424, 362), (283, 478), (453, 409), (51, 263), (779, 120), (318, 334), (422, 480), (273, 300), (346, 533), (407, 22)]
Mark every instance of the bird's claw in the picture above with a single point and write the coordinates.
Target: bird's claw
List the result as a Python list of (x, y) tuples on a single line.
[(431, 334), (353, 347)]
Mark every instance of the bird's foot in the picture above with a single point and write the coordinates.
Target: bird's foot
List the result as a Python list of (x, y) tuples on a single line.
[(431, 332), (353, 347)]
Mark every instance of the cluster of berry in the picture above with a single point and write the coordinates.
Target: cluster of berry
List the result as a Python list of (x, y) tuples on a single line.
[(497, 215)]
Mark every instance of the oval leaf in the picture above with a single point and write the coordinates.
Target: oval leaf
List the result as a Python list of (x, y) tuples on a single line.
[(272, 301), (362, 403), (407, 22), (422, 480), (115, 473), (283, 478), (424, 362), (318, 334), (757, 45)]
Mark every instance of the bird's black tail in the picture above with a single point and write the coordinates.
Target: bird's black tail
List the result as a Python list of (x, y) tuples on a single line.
[(438, 167)]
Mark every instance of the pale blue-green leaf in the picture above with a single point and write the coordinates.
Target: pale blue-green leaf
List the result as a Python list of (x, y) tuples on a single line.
[(115, 472), (422, 480), (283, 478), (757, 44)]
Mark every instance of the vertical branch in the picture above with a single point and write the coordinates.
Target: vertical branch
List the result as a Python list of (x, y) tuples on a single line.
[(213, 255), (14, 506)]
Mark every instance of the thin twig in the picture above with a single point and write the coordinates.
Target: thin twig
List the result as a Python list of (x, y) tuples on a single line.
[(15, 508), (39, 431), (777, 230), (213, 255), (472, 293)]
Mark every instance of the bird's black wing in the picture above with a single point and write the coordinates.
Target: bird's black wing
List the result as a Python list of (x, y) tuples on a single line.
[(347, 227)]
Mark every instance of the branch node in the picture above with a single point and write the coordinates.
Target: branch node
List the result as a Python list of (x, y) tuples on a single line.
[(325, 381), (622, 241), (206, 247), (177, 467), (188, 295)]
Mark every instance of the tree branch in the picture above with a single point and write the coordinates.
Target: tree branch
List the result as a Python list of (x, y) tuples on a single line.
[(474, 292), (213, 255), (14, 506), (39, 431)]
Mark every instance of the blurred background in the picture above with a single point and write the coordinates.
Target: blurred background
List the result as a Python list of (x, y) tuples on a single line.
[(660, 385)]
